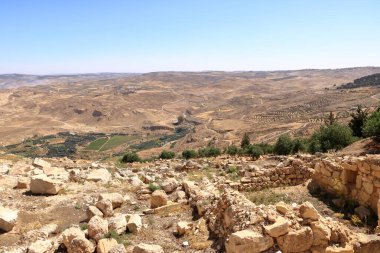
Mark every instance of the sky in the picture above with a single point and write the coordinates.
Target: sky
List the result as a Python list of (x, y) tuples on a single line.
[(82, 36)]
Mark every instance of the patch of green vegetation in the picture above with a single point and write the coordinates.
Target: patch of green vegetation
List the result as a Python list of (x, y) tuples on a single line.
[(167, 154), (130, 157), (47, 146), (97, 144), (118, 140), (152, 187), (121, 239), (267, 197), (162, 140), (83, 226)]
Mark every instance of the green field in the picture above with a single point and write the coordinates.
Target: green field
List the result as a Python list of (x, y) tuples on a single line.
[(103, 144), (117, 140), (97, 144)]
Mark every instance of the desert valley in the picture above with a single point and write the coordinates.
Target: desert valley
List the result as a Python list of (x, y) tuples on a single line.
[(70, 180)]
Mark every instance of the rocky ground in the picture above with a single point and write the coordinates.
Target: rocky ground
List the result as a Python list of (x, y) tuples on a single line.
[(221, 204)]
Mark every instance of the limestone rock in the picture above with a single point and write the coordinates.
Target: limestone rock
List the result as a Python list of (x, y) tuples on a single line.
[(8, 218), (159, 198), (41, 164), (307, 211), (97, 228), (281, 207), (99, 175), (40, 246), (105, 245), (248, 241), (76, 242), (321, 233), (333, 249), (93, 211), (4, 168), (116, 199), (296, 241), (105, 205), (147, 248), (367, 243), (280, 227), (22, 183), (184, 227), (118, 223), (134, 223), (41, 184), (118, 249), (169, 185)]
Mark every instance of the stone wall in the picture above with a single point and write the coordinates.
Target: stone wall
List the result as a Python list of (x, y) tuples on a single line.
[(355, 178), (291, 171)]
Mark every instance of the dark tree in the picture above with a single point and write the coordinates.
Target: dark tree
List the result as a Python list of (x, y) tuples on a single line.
[(357, 121), (245, 141)]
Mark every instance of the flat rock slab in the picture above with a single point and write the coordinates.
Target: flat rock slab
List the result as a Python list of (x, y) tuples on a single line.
[(8, 219)]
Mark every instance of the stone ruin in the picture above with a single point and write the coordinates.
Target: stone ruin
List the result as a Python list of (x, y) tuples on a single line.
[(354, 178)]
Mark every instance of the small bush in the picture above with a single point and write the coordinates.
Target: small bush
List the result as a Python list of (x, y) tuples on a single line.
[(130, 158), (284, 145), (298, 146), (167, 154), (232, 150), (209, 152), (189, 153), (254, 151)]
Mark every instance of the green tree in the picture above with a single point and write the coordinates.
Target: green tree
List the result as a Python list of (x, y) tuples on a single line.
[(189, 153), (167, 154), (372, 125), (284, 145), (245, 141), (334, 137), (357, 121), (130, 157), (331, 119)]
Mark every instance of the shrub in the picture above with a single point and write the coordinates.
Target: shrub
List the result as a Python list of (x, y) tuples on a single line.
[(284, 145), (130, 157), (314, 145), (334, 137), (254, 151), (357, 122), (232, 150), (209, 151), (167, 154), (189, 153), (245, 141), (372, 125), (298, 146), (266, 148)]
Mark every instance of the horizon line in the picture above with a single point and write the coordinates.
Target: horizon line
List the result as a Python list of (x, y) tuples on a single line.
[(181, 71)]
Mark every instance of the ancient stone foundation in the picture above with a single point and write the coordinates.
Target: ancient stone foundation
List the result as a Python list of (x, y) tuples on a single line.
[(355, 178), (290, 172)]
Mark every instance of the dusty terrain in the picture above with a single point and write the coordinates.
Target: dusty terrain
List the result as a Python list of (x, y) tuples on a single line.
[(64, 205), (217, 106)]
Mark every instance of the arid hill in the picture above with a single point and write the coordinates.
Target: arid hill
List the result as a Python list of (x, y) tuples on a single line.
[(218, 107)]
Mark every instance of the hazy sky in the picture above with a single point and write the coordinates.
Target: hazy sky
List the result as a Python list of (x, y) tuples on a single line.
[(72, 36)]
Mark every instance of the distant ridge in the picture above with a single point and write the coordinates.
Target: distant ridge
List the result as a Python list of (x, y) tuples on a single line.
[(365, 81)]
